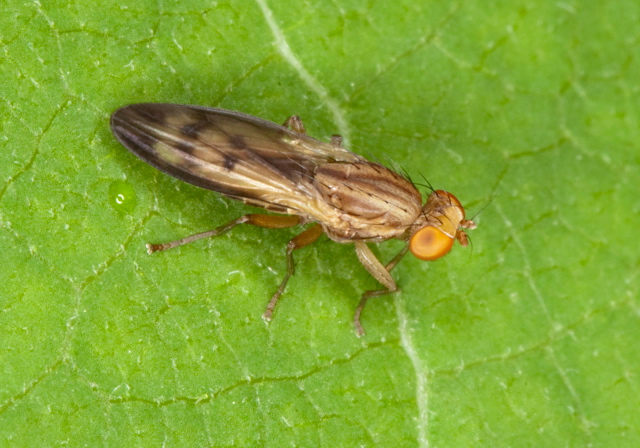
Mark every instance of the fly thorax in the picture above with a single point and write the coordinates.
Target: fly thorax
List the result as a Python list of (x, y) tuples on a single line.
[(368, 194)]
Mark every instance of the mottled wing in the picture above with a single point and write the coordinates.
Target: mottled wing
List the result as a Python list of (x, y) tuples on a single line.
[(238, 155)]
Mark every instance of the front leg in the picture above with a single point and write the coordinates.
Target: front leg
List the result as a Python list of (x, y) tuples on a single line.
[(373, 265), (380, 273)]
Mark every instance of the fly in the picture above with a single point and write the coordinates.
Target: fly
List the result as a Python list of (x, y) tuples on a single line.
[(303, 180)]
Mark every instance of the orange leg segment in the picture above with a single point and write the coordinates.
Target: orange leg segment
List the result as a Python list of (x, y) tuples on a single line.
[(302, 240), (267, 221)]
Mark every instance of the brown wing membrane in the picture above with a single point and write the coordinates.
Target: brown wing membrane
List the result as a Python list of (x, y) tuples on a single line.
[(238, 155)]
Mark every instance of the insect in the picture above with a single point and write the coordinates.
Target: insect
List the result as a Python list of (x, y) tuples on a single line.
[(304, 180)]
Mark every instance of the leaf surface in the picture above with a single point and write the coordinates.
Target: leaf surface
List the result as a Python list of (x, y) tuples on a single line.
[(527, 111)]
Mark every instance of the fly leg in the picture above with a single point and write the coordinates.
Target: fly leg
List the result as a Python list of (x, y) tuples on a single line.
[(295, 124), (302, 240), (380, 272), (336, 140), (267, 221)]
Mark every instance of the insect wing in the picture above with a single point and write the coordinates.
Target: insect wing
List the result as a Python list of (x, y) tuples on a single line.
[(238, 155)]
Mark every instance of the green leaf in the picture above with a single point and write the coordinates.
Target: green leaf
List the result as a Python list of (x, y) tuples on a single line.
[(527, 111)]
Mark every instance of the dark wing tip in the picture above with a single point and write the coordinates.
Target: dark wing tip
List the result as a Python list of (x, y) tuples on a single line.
[(129, 124), (118, 123), (148, 112)]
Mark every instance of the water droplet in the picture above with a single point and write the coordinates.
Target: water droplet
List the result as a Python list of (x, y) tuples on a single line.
[(122, 196)]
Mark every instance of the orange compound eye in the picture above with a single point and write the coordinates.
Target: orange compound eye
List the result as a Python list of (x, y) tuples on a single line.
[(430, 243)]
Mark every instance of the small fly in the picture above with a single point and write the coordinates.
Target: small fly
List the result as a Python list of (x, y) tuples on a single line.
[(304, 180)]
